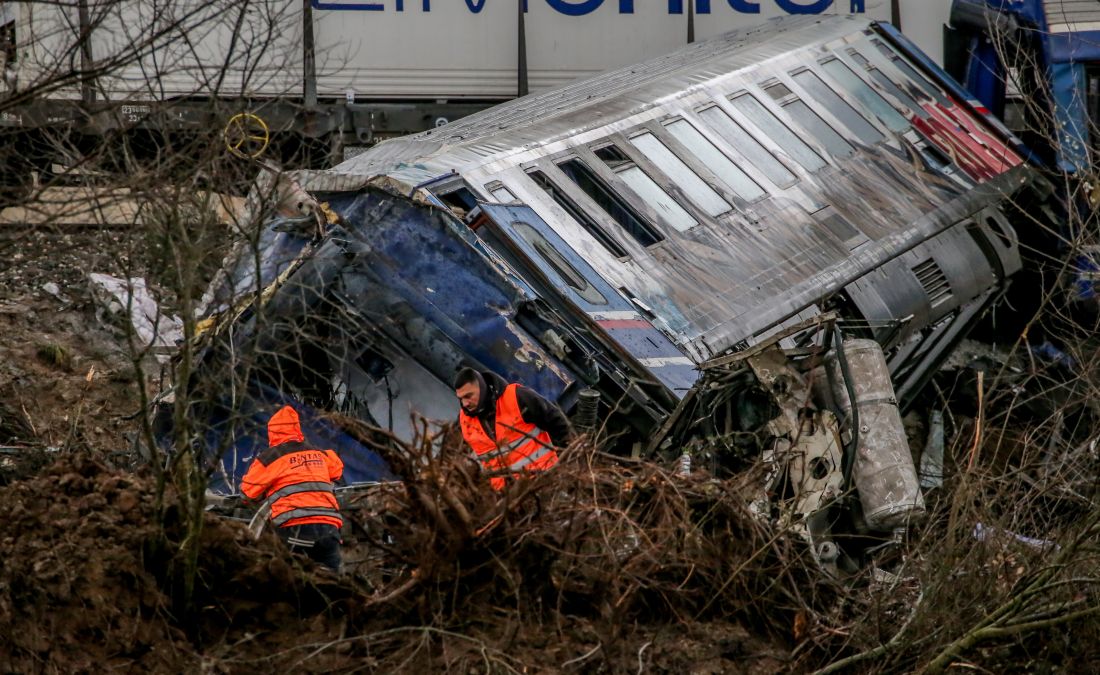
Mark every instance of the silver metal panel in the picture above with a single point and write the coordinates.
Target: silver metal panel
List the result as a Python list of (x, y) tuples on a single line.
[(617, 94), (1064, 16)]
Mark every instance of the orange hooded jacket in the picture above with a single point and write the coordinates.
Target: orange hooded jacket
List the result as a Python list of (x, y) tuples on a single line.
[(299, 478)]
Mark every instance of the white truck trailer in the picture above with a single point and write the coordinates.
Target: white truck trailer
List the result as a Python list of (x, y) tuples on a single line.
[(336, 72)]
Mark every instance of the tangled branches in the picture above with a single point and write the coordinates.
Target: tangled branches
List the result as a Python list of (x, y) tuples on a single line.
[(608, 541)]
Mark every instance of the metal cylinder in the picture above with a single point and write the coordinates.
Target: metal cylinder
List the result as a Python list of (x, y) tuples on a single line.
[(883, 470), (588, 403)]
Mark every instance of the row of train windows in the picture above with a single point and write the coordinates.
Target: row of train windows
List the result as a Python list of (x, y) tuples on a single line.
[(705, 155)]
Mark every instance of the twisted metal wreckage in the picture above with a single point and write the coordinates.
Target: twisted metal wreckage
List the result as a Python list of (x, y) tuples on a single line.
[(759, 247)]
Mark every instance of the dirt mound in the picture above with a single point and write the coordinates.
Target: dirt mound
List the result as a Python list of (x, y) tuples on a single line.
[(91, 578), (83, 587), (75, 594)]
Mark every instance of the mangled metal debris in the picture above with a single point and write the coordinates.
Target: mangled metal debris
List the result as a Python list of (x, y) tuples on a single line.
[(823, 419)]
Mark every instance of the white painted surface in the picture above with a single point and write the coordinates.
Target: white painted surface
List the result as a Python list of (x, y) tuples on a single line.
[(447, 52)]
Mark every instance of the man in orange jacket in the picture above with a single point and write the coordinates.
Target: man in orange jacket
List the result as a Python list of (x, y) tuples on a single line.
[(508, 426), (298, 481)]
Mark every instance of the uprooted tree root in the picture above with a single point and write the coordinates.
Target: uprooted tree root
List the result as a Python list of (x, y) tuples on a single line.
[(621, 547)]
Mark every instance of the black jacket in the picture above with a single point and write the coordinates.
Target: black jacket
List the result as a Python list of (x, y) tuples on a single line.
[(533, 408)]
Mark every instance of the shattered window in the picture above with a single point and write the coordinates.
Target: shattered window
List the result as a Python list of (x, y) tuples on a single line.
[(680, 174), (576, 213), (608, 200), (786, 139), (810, 121), (887, 84), (871, 99), (723, 125), (904, 66), (722, 166), (837, 106), (646, 188), (559, 264)]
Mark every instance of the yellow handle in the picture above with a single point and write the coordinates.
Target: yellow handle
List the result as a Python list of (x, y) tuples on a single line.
[(246, 135)]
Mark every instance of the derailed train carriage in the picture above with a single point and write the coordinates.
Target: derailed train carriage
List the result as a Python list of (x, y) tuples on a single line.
[(626, 244)]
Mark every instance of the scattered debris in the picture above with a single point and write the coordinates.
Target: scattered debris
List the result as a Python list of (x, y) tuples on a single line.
[(55, 290), (154, 330)]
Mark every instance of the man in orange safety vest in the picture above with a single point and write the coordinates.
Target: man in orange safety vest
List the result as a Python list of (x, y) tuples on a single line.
[(509, 427), (297, 480)]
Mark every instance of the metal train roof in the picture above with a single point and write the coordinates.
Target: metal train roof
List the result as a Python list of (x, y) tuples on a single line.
[(541, 119), (741, 273)]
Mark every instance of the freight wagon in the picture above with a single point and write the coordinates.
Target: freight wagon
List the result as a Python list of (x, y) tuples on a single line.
[(278, 76)]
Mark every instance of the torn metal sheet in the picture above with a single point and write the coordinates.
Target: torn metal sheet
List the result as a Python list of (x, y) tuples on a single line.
[(836, 474)]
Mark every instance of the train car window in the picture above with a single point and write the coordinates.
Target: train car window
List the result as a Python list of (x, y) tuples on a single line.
[(680, 174), (559, 264), (500, 193), (460, 198), (871, 99), (722, 166), (809, 120), (608, 200), (778, 91), (786, 139), (577, 213), (889, 85), (902, 64), (646, 188), (723, 125), (838, 107)]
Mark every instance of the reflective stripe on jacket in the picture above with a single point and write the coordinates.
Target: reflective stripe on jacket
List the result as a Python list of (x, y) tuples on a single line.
[(297, 479), (519, 445)]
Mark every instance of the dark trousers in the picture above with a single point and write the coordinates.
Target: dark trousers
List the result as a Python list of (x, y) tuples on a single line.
[(319, 541)]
